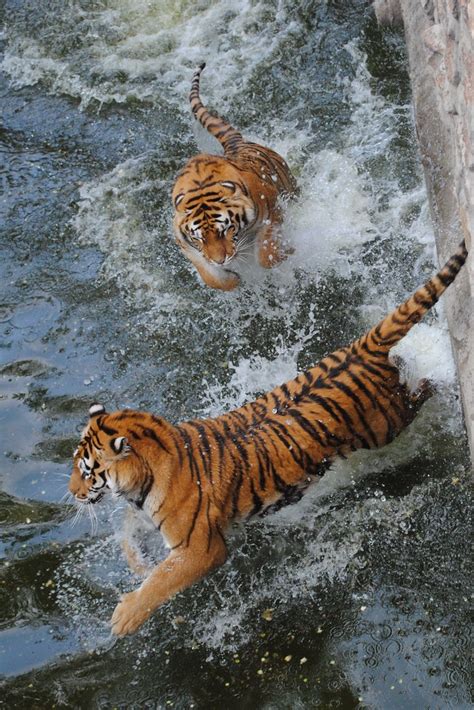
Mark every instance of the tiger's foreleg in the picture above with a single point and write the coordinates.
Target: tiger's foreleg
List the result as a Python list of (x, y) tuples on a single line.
[(213, 275), (181, 569), (134, 559), (269, 246), (130, 549)]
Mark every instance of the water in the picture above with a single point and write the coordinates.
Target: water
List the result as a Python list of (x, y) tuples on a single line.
[(358, 596)]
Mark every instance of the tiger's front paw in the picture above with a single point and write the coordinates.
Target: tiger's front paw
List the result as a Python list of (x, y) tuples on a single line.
[(229, 281), (271, 252), (222, 279), (129, 614)]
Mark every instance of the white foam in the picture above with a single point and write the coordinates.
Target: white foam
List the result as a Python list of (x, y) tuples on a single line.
[(156, 42), (331, 214)]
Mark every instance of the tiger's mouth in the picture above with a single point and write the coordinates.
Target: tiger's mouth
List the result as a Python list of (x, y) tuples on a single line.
[(91, 501)]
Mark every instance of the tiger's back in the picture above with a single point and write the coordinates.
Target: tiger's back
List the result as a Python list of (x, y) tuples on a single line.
[(246, 156)]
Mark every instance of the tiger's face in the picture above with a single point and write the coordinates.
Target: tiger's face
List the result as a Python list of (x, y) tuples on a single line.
[(99, 449), (214, 220)]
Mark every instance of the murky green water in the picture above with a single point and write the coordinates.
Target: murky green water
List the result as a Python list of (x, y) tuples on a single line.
[(360, 595)]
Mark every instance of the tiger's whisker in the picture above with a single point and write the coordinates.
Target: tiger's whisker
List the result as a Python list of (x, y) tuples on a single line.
[(93, 519), (78, 515), (64, 497)]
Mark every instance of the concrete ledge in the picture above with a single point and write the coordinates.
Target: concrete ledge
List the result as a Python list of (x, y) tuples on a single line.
[(440, 42)]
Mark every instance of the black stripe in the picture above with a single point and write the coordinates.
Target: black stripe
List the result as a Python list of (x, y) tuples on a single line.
[(151, 434), (188, 447), (358, 382), (257, 501), (421, 301), (286, 391), (305, 424), (373, 353), (350, 425), (358, 406), (161, 523), (145, 489), (328, 433), (239, 478), (445, 280), (220, 441), (324, 403), (106, 429), (383, 389), (376, 404), (284, 434), (209, 528), (459, 260), (206, 459), (177, 446), (196, 513)]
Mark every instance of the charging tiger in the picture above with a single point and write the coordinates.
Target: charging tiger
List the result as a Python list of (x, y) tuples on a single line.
[(224, 205), (192, 479)]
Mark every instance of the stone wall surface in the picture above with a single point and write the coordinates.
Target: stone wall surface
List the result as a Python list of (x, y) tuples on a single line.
[(440, 42)]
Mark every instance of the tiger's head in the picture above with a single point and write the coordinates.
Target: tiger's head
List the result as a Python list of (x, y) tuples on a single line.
[(213, 218), (125, 452), (101, 447)]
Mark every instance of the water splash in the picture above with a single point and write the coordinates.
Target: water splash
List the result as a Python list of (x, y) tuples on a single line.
[(136, 50)]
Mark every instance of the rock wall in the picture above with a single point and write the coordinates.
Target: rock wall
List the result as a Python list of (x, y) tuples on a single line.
[(440, 42)]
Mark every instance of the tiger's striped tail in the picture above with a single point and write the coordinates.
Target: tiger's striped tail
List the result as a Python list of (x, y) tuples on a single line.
[(382, 337), (227, 136)]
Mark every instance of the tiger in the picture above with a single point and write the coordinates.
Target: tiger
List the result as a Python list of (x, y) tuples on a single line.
[(224, 205), (193, 479)]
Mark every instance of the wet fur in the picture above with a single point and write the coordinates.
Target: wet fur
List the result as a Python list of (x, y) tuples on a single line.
[(223, 205), (193, 479)]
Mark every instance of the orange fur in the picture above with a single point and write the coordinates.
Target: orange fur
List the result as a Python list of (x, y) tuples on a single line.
[(193, 479), (225, 204)]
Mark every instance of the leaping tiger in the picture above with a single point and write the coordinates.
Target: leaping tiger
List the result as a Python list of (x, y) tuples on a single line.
[(193, 479), (225, 204)]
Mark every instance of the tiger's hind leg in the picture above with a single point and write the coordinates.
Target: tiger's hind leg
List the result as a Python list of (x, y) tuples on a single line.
[(423, 392), (414, 400)]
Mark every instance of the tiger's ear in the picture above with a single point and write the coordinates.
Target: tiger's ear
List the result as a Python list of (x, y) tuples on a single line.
[(119, 444), (96, 409), (178, 199), (231, 185)]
